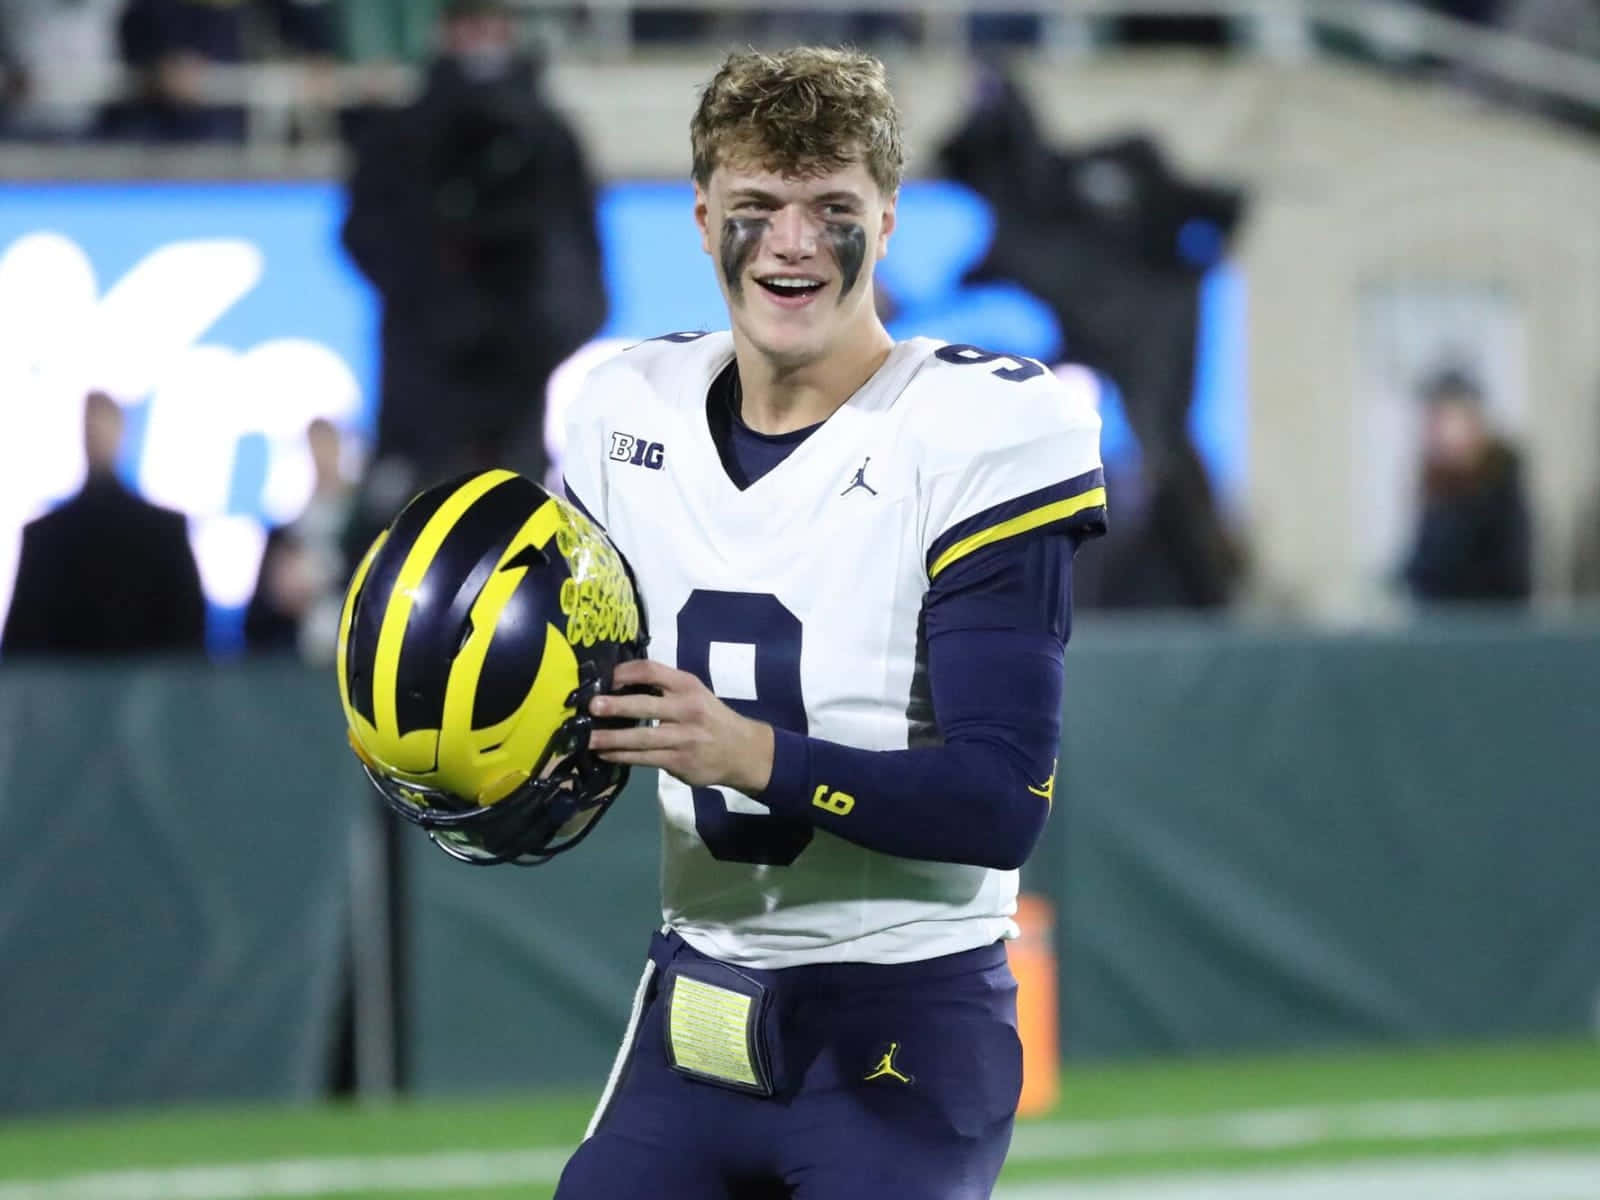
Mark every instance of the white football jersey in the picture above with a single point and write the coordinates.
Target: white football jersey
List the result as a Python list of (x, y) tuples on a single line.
[(798, 598)]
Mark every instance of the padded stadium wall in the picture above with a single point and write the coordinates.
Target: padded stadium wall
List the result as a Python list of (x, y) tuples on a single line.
[(1261, 840), (174, 861)]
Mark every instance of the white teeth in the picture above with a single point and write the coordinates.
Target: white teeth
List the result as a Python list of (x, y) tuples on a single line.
[(792, 283)]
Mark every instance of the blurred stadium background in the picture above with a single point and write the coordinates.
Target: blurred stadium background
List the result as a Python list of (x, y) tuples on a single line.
[(1325, 859)]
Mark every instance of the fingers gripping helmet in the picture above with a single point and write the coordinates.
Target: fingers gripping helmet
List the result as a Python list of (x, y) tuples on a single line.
[(473, 634)]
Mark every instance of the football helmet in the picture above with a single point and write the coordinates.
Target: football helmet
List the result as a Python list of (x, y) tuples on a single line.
[(473, 634)]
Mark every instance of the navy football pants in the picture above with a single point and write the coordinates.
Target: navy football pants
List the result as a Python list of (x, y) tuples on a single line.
[(935, 1126)]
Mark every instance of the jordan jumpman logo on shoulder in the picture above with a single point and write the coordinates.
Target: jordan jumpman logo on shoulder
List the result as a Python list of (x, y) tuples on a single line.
[(860, 479)]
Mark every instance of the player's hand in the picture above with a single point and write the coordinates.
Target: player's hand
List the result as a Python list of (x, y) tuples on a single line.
[(697, 738)]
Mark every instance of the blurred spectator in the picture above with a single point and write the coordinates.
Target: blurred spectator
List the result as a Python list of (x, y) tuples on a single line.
[(1116, 244), (106, 572), (1207, 32), (649, 25), (170, 43), (299, 589), (387, 30), (55, 56), (1473, 541), (473, 215), (821, 27), (775, 26), (988, 31), (1479, 12)]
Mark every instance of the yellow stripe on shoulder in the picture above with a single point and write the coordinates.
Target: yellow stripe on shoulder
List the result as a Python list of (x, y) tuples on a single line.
[(1045, 514)]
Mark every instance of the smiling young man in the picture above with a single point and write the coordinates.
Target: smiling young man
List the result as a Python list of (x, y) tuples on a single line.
[(855, 557)]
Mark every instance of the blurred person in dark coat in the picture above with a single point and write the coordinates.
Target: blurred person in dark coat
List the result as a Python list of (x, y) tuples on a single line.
[(472, 213), (107, 572), (1473, 541), (300, 584), (169, 45), (1116, 243)]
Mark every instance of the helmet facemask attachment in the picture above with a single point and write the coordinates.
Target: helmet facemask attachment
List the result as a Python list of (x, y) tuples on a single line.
[(558, 806)]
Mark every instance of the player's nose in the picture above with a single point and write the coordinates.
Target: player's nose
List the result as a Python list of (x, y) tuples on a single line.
[(793, 233)]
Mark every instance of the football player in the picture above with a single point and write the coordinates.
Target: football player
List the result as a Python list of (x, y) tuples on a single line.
[(855, 559)]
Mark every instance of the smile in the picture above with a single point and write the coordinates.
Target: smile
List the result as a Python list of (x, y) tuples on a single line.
[(791, 291)]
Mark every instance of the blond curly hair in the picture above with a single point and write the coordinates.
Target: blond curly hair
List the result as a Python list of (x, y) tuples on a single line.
[(803, 112)]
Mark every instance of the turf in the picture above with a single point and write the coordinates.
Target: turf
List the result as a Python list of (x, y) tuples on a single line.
[(36, 1148)]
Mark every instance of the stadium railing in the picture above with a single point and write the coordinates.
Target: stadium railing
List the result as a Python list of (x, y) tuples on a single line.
[(285, 98)]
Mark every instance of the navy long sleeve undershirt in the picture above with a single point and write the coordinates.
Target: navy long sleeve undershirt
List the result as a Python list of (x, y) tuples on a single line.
[(996, 625)]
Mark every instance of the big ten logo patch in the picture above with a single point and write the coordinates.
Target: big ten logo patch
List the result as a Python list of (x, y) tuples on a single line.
[(629, 449)]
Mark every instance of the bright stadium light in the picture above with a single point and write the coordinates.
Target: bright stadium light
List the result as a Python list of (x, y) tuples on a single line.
[(228, 553), (159, 334)]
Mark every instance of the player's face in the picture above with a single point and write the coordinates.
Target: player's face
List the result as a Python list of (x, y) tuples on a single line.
[(795, 256)]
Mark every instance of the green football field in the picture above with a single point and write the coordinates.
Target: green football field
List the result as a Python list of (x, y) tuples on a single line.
[(1486, 1123)]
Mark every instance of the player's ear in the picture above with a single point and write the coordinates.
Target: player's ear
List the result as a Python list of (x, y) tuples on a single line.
[(702, 216), (888, 223)]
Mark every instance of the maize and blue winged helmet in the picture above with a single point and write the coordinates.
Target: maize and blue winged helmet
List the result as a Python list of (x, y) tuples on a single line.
[(474, 632)]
